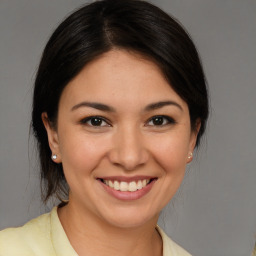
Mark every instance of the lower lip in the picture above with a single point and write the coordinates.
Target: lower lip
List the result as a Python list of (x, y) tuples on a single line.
[(127, 195)]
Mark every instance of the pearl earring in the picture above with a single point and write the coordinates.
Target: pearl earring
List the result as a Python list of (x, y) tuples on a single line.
[(54, 157), (190, 155)]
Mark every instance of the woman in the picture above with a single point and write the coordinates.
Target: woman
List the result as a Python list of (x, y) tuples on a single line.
[(120, 103)]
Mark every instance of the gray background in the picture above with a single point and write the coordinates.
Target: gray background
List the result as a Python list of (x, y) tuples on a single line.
[(214, 213)]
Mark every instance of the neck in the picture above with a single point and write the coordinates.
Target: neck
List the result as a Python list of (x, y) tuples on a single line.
[(89, 235)]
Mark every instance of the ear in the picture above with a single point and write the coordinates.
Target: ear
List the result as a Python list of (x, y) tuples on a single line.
[(193, 139), (53, 139)]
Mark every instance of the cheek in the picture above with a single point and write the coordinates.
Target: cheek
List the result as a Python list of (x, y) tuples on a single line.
[(81, 154), (172, 162), (171, 153)]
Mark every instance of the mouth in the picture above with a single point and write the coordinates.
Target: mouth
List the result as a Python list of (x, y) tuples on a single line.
[(127, 188)]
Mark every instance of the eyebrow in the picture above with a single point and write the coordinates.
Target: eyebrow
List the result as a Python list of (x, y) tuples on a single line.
[(161, 104), (95, 105), (107, 108)]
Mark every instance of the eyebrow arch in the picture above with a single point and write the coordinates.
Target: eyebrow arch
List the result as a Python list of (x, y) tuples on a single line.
[(95, 105), (161, 104)]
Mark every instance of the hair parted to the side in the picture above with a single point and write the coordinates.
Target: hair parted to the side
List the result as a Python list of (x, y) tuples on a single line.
[(94, 29)]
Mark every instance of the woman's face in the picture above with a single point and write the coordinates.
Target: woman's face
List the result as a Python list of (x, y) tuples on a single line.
[(123, 137)]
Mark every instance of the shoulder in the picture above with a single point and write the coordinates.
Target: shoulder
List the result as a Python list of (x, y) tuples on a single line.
[(34, 238), (170, 248)]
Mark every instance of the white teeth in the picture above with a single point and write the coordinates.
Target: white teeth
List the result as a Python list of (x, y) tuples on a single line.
[(111, 184), (124, 186), (132, 186), (116, 185), (127, 186), (139, 184)]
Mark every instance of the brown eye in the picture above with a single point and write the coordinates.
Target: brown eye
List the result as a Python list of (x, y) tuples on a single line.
[(95, 121), (160, 121)]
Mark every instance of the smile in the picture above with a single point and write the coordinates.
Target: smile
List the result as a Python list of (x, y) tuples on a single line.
[(124, 188), (127, 186)]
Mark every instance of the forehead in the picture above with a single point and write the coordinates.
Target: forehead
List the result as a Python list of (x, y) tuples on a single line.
[(120, 77)]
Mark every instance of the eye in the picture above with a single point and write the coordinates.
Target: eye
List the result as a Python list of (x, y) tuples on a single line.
[(95, 121), (160, 121)]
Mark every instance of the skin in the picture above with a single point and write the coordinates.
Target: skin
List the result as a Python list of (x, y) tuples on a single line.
[(127, 143)]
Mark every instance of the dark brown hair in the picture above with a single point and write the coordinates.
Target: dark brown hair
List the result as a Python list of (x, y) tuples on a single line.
[(95, 29)]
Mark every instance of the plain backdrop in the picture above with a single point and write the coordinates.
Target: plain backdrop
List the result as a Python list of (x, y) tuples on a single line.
[(214, 212)]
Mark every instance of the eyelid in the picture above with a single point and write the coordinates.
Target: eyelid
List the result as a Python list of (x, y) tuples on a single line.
[(85, 120), (169, 119)]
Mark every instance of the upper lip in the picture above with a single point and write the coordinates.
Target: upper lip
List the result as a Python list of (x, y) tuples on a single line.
[(127, 179)]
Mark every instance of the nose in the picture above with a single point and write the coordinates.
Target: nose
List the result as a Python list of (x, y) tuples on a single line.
[(128, 149)]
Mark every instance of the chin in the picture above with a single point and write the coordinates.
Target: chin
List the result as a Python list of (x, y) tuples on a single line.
[(128, 218)]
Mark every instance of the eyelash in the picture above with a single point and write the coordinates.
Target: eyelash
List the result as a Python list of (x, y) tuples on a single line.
[(86, 120), (166, 119)]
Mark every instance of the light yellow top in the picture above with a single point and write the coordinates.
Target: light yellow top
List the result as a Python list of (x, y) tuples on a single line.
[(45, 235), (254, 251)]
